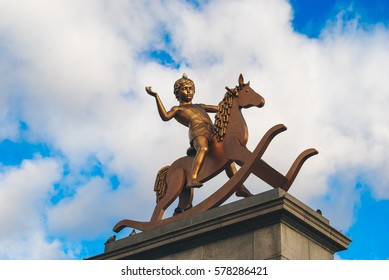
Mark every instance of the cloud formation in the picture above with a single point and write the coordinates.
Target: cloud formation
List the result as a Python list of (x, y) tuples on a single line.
[(24, 193), (74, 72)]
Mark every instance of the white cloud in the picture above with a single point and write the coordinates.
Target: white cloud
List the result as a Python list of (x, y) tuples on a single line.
[(33, 245), (83, 69), (93, 210), (24, 195)]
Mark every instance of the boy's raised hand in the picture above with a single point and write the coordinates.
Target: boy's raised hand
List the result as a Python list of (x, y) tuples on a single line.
[(150, 91)]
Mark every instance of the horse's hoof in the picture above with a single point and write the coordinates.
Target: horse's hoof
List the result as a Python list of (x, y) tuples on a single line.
[(194, 184), (178, 211), (243, 192)]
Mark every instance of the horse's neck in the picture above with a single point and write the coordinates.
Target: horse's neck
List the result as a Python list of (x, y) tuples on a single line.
[(237, 127)]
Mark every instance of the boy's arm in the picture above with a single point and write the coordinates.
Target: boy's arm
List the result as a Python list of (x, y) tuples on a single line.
[(211, 108), (165, 116)]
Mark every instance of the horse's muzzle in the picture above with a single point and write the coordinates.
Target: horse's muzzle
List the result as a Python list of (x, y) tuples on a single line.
[(261, 103)]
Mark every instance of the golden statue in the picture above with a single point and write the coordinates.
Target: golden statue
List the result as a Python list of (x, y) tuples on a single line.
[(217, 147)]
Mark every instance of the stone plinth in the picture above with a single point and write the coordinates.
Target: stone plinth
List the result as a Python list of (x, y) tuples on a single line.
[(270, 225)]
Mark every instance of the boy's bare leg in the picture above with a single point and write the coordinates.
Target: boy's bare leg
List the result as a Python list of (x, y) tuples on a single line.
[(200, 143), (242, 191)]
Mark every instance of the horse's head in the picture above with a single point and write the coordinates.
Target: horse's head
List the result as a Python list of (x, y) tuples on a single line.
[(242, 96), (247, 97)]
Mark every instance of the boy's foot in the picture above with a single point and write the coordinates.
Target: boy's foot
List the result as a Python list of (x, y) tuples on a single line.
[(194, 184)]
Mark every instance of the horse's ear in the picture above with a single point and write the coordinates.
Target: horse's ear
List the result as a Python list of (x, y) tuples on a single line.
[(241, 81)]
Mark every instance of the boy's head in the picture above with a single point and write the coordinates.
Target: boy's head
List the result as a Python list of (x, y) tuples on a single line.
[(181, 84)]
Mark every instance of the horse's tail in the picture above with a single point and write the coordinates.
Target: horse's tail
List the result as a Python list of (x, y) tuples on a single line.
[(160, 185)]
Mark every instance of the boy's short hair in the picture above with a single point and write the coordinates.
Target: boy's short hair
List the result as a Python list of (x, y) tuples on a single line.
[(182, 82)]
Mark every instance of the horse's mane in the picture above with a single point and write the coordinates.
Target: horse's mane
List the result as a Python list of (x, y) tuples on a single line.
[(223, 114)]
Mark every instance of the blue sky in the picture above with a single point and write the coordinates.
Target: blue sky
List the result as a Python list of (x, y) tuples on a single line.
[(370, 231), (81, 141)]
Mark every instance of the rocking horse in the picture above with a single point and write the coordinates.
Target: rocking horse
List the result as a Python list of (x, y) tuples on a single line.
[(228, 146)]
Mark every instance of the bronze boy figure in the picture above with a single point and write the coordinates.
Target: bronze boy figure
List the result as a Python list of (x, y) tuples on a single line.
[(193, 116)]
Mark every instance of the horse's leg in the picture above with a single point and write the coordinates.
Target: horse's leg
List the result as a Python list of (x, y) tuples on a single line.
[(241, 191), (260, 168), (175, 185), (264, 171), (185, 200), (276, 179), (239, 153)]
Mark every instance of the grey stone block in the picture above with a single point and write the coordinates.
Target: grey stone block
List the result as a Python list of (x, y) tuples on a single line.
[(270, 225)]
